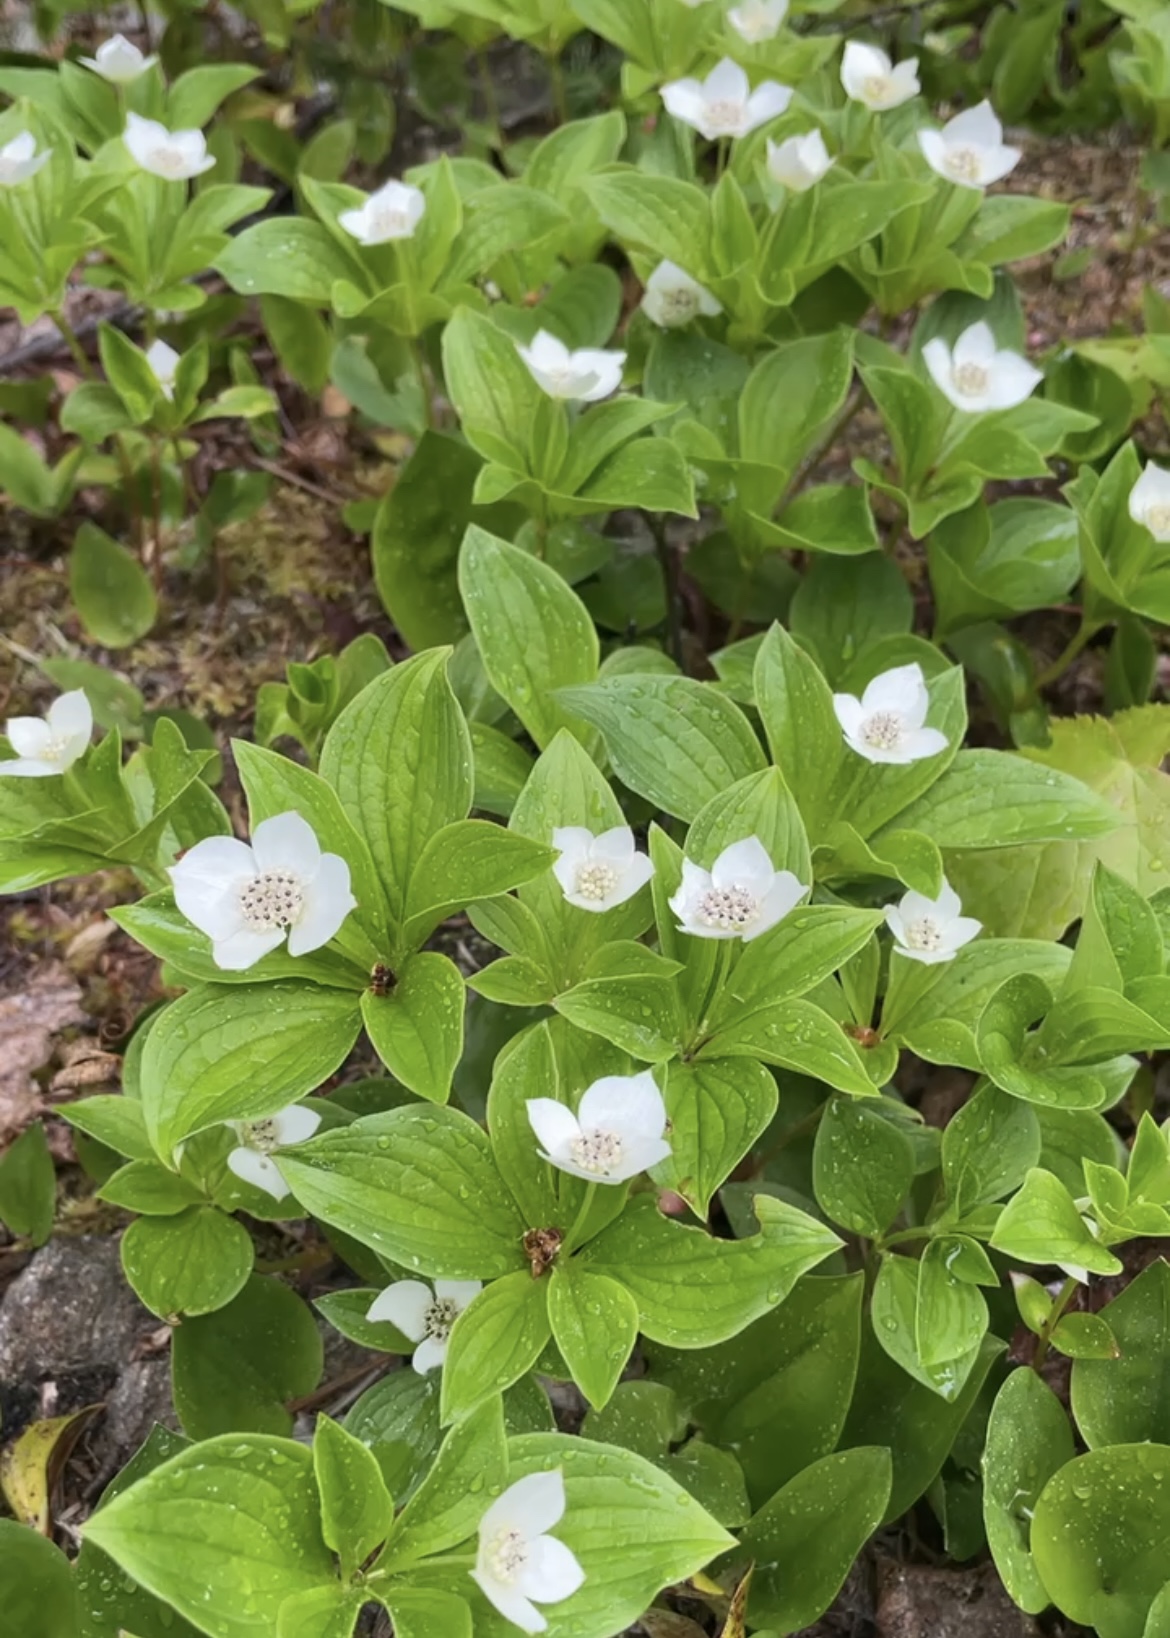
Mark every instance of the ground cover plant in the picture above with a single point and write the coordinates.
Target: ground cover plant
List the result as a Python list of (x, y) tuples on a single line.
[(630, 1049)]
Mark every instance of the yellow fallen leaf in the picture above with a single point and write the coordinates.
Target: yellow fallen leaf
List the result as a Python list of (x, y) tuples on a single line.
[(31, 1465)]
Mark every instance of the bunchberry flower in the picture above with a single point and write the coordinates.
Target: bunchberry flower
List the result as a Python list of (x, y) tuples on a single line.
[(519, 1565), (616, 1133), (254, 1161), (887, 724), (724, 105), (598, 872), (425, 1314), (741, 896), (50, 744), (931, 930)]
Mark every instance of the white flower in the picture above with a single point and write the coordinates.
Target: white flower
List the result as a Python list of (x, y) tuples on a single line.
[(19, 159), (724, 105), (1149, 502), (673, 298), (587, 374), (931, 930), (425, 1315), (517, 1560), (174, 155), (969, 149), (886, 723), (253, 1161), (392, 213), (976, 375), (741, 896), (118, 60), (798, 162), (163, 361), (52, 743), (616, 1133), (246, 899), (870, 77), (597, 872), (756, 21)]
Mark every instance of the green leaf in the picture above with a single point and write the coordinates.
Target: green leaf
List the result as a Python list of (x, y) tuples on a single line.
[(808, 945), (667, 216), (677, 742), (328, 1612), (534, 633), (239, 1053), (192, 1263), (417, 1029), (1084, 1336), (497, 1338), (863, 1166), (630, 1527), (285, 256), (494, 395), (356, 1508), (717, 1108), (469, 860), (418, 1185), (693, 1290), (1041, 1224), (468, 1473), (640, 1013), (399, 757), (1126, 1400), (796, 1035), (35, 1584), (114, 1120), (233, 1370), (995, 799), (796, 708), (28, 1186), (805, 1539), (1099, 1537), (417, 534), (1028, 1440), (246, 1510), (760, 805), (988, 1148), (790, 396), (147, 1186), (110, 588), (951, 1316), (595, 1325)]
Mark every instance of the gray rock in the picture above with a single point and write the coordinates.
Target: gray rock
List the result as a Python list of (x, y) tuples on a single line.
[(69, 1311)]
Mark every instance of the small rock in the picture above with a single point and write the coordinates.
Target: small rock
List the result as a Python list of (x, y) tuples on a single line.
[(917, 1601), (70, 1310), (140, 1398)]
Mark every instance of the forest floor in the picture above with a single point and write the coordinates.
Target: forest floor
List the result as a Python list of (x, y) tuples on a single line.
[(295, 584)]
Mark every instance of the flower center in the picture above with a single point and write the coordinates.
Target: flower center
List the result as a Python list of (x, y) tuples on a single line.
[(924, 934), (724, 117), (680, 303), (1158, 519), (389, 223), (883, 730), (730, 909), (596, 881), (963, 163), (597, 1151), (272, 900), (970, 379), (507, 1555), (876, 88), (261, 1135), (440, 1317), (170, 161)]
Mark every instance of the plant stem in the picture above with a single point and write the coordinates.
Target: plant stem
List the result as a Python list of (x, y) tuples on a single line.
[(1044, 1340), (69, 336), (556, 74), (570, 1241), (1084, 635), (487, 86), (810, 463)]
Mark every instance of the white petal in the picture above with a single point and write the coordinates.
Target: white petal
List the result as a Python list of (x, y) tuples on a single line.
[(551, 1572), (640, 1154), (744, 864), (1013, 380), (214, 868), (259, 1170), (545, 352), (948, 902), (727, 82), (605, 367), (512, 1605), (22, 767), (934, 151), (936, 355), (295, 1124), (686, 101), (405, 1304), (1149, 495), (429, 1355), (637, 873), (767, 102), (328, 901), (859, 63), (625, 1104), (32, 736), (572, 839), (997, 163), (615, 847), (532, 1506), (976, 345), (905, 78), (555, 1125), (914, 906), (243, 949), (962, 930), (974, 128), (71, 716), (924, 742), (900, 689), (784, 895), (287, 842), (460, 1292), (895, 921), (850, 713)]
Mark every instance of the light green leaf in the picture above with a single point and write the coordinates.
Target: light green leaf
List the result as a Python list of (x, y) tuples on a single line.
[(595, 1325), (1028, 1440), (110, 588), (497, 1338), (356, 1508), (417, 1029), (192, 1263)]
